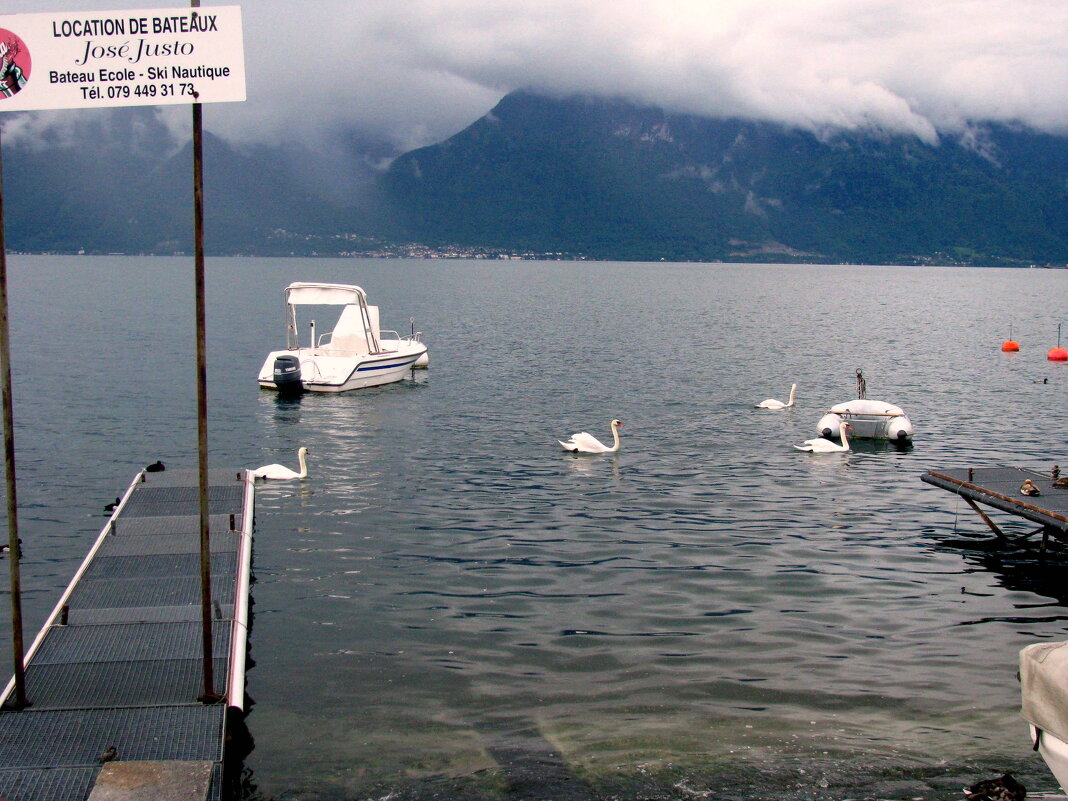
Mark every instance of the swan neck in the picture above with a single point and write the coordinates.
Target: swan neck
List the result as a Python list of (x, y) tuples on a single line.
[(793, 389), (303, 464), (615, 437)]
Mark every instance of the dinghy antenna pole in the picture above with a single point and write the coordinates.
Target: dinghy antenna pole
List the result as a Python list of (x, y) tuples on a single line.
[(19, 701), (209, 695)]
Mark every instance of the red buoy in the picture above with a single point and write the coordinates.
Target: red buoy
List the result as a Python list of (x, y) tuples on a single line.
[(1010, 345), (1058, 354)]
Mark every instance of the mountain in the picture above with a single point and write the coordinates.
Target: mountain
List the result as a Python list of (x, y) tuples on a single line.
[(577, 177), (122, 182), (606, 179)]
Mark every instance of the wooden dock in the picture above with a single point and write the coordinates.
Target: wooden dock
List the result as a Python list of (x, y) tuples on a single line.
[(999, 488), (115, 675)]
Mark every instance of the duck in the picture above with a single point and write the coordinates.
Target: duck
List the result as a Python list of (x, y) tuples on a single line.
[(771, 403), (112, 506), (280, 472), (1028, 488), (1003, 788), (156, 467), (821, 445), (583, 442)]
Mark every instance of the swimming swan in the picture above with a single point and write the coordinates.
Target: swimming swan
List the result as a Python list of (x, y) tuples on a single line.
[(771, 403), (281, 472), (585, 443), (821, 445)]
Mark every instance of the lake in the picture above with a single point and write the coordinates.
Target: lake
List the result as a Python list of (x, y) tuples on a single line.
[(451, 606)]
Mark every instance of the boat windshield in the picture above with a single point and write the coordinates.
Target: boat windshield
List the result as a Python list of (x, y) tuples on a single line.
[(356, 330)]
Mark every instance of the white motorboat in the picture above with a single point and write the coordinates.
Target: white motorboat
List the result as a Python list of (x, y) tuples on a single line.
[(356, 354), (870, 419), (1044, 694)]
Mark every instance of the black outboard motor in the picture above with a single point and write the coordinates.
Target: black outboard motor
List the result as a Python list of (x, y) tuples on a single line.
[(287, 375)]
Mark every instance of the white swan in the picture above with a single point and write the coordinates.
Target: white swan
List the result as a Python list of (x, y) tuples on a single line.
[(821, 445), (585, 443), (771, 403), (281, 472)]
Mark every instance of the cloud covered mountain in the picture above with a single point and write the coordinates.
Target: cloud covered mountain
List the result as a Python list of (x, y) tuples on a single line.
[(580, 176), (610, 180)]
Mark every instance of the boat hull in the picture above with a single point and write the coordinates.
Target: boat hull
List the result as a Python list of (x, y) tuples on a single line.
[(328, 373), (869, 420), (1044, 702), (1055, 753)]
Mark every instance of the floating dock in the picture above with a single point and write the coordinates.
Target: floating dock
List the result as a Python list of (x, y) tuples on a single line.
[(115, 675), (999, 488)]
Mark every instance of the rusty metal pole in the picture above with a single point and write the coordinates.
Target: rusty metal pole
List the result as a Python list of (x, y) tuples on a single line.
[(208, 695), (19, 701)]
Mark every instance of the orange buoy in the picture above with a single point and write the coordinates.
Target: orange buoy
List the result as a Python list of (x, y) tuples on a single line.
[(1058, 354), (1010, 345)]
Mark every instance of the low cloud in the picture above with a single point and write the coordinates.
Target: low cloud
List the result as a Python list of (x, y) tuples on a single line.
[(417, 71)]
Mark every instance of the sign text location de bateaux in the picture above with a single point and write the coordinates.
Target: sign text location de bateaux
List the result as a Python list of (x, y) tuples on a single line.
[(121, 58)]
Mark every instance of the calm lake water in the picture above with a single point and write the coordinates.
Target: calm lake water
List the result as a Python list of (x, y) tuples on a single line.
[(453, 607)]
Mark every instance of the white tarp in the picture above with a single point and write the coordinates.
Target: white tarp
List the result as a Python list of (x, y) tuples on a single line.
[(1044, 687), (308, 294)]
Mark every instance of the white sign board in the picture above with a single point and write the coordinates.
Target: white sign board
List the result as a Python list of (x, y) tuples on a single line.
[(96, 59)]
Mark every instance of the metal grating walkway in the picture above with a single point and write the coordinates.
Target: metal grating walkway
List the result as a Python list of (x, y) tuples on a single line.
[(119, 664), (999, 487)]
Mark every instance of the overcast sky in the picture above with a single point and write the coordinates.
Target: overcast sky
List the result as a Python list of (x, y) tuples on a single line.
[(417, 71)]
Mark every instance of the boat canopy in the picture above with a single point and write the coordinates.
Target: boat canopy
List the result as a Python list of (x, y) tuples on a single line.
[(301, 293), (356, 330)]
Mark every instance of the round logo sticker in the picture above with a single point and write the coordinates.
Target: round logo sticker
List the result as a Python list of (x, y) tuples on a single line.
[(14, 64)]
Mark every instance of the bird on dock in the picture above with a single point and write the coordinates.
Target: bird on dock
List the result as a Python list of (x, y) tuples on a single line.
[(1028, 488), (771, 403), (1055, 478), (280, 472), (109, 754), (1003, 788), (156, 467), (821, 445), (112, 506), (583, 442)]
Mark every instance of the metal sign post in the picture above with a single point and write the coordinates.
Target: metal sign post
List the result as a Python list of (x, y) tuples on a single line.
[(13, 554), (208, 695), (122, 58)]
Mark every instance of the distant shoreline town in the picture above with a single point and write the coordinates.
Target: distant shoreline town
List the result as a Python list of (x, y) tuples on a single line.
[(458, 253)]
